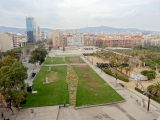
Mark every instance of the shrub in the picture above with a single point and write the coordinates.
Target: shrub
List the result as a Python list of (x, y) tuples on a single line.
[(123, 78), (144, 72), (151, 74), (120, 77), (155, 99), (139, 90)]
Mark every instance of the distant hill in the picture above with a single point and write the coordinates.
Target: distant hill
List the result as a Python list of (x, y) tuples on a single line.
[(99, 29), (21, 30), (106, 29)]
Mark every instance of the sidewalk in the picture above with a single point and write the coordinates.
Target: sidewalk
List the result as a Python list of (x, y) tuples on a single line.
[(8, 114)]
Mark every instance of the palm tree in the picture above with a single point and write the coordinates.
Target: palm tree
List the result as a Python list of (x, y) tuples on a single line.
[(126, 70), (130, 68), (121, 67), (156, 88)]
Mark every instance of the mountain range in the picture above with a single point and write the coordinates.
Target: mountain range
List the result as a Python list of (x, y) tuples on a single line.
[(99, 29)]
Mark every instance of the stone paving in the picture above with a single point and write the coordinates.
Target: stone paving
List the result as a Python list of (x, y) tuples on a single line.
[(7, 114), (40, 113)]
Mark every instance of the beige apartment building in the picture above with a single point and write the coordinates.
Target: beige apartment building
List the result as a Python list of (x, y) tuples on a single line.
[(6, 42), (9, 41), (56, 38)]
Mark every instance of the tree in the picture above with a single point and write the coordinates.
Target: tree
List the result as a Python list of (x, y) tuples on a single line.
[(49, 42), (12, 85), (150, 76), (38, 54)]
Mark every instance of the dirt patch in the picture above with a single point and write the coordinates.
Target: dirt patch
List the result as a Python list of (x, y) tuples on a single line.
[(52, 76), (93, 84), (75, 60)]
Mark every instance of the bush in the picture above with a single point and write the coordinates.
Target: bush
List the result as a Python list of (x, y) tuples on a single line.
[(151, 74), (139, 90), (144, 72), (120, 77), (155, 99), (123, 78)]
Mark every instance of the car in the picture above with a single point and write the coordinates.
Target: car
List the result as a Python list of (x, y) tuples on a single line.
[(121, 84)]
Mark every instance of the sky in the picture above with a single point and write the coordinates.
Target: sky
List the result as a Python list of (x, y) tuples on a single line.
[(67, 14)]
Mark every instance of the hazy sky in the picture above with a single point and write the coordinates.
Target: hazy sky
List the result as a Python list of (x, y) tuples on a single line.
[(143, 14)]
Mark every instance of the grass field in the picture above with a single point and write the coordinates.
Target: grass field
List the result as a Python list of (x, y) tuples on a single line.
[(54, 93), (74, 60), (56, 60), (92, 89)]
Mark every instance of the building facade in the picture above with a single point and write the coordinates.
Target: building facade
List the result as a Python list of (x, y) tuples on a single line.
[(57, 38), (6, 42), (32, 29)]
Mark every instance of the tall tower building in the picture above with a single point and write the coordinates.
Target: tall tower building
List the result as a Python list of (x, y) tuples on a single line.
[(30, 29)]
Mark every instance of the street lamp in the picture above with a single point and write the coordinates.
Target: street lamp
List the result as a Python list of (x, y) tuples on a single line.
[(149, 97)]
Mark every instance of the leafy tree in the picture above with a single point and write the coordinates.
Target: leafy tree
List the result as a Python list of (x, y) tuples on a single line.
[(12, 85), (38, 54), (1, 63), (150, 76), (49, 42), (149, 73)]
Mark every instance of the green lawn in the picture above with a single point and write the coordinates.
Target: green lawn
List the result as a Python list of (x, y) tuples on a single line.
[(68, 59), (56, 60), (54, 93), (92, 89)]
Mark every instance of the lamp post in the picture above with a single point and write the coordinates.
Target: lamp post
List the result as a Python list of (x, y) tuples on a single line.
[(149, 97)]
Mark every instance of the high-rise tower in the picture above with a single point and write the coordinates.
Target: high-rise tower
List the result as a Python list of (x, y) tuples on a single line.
[(30, 27)]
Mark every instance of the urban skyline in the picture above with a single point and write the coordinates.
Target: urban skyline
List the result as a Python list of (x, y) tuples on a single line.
[(67, 14)]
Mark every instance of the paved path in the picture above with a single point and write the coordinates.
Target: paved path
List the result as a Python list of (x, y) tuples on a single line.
[(8, 114), (64, 64), (40, 113)]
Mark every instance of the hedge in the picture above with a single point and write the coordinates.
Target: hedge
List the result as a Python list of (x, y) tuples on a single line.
[(120, 77), (139, 90)]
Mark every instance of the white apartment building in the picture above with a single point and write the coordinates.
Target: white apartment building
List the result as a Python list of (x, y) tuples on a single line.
[(70, 41), (78, 40)]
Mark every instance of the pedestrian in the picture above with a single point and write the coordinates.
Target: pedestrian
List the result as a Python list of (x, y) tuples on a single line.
[(2, 115)]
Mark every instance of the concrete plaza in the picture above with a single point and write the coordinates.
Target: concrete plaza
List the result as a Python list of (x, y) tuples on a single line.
[(40, 113)]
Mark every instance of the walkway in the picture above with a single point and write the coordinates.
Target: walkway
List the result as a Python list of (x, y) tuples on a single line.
[(40, 113), (64, 64)]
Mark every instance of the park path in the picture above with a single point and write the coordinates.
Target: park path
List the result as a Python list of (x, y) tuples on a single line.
[(65, 64)]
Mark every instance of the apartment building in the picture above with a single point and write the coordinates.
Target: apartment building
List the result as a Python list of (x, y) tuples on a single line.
[(90, 40), (9, 41), (6, 42), (56, 38)]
